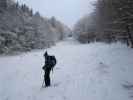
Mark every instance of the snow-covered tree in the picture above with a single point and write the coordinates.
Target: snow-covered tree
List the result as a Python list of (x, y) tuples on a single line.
[(108, 22), (32, 31)]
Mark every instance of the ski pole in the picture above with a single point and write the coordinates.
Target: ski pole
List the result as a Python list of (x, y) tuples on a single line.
[(43, 83)]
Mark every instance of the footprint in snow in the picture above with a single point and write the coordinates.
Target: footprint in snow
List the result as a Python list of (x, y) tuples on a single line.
[(102, 68)]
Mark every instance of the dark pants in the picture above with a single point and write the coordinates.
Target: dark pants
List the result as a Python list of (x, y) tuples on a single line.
[(47, 77)]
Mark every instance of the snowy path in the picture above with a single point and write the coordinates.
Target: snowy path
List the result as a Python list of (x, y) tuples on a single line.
[(84, 72)]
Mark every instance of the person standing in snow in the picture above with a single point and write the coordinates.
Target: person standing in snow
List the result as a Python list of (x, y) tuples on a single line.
[(50, 62)]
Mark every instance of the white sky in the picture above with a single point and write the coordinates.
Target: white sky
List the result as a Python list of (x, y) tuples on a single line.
[(67, 11)]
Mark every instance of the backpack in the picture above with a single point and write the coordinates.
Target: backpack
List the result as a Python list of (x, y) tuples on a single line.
[(50, 62)]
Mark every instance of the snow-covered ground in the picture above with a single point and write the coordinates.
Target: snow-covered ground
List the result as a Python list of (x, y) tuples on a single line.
[(94, 71)]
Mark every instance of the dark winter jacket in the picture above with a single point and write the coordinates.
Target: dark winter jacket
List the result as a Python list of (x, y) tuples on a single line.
[(50, 62)]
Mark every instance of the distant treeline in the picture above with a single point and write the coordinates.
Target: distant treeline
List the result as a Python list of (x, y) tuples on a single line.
[(23, 30), (111, 20)]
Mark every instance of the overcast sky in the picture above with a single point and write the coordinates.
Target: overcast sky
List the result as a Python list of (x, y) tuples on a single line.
[(67, 11)]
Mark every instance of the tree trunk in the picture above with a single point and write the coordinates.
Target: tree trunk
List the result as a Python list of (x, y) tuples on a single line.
[(130, 39)]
